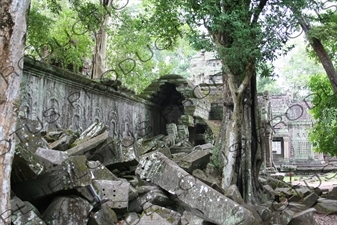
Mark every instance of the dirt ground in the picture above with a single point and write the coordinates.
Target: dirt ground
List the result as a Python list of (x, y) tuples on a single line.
[(325, 220)]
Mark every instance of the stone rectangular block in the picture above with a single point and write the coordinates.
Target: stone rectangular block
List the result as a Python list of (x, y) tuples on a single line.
[(116, 192), (71, 174), (195, 160), (199, 197), (88, 145)]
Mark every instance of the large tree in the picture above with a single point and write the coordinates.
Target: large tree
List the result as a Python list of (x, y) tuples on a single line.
[(246, 35), (12, 43)]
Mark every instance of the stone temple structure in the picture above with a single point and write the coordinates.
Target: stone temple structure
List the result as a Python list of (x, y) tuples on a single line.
[(286, 121)]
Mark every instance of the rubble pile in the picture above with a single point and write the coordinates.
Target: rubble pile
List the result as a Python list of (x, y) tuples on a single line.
[(297, 204), (61, 177)]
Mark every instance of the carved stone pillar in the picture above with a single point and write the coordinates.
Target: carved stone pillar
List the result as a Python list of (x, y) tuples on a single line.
[(286, 149)]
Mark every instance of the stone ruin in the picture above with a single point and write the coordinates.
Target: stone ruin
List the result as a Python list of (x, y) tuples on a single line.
[(62, 177), (110, 172)]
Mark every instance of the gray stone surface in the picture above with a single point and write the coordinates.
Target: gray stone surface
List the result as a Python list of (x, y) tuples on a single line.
[(72, 173), (113, 153), (212, 205), (195, 160), (310, 200), (326, 206), (53, 156), (67, 211), (64, 142), (24, 213), (88, 145), (152, 219), (103, 216), (233, 193), (190, 218), (26, 165), (169, 215), (305, 217), (116, 192)]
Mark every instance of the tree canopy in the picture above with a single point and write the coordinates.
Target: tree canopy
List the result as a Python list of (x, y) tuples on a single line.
[(133, 55)]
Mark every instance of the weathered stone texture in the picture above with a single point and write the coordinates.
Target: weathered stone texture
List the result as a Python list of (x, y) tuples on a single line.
[(213, 206)]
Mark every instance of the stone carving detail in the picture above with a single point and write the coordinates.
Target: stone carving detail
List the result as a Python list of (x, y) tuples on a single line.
[(113, 121), (68, 101)]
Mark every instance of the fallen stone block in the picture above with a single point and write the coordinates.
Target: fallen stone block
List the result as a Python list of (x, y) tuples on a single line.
[(24, 213), (304, 218), (195, 160), (71, 174), (26, 166), (149, 194), (177, 156), (116, 192), (29, 135), (103, 216), (153, 219), (92, 131), (282, 217), (88, 145), (53, 156), (67, 211), (100, 172), (150, 144), (131, 218), (114, 153), (326, 206), (202, 176), (169, 215), (189, 218), (208, 203), (297, 207), (310, 200), (207, 146), (197, 108), (233, 193), (186, 120), (177, 149), (53, 135), (64, 142), (183, 132), (332, 194)]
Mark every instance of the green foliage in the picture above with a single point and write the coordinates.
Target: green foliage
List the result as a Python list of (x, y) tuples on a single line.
[(52, 39), (132, 54), (324, 132), (268, 84)]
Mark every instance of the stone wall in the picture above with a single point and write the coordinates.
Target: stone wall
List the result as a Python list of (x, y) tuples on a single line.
[(58, 98)]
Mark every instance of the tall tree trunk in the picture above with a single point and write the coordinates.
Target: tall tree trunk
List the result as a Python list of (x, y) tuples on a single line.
[(101, 43), (240, 148), (321, 53), (12, 44)]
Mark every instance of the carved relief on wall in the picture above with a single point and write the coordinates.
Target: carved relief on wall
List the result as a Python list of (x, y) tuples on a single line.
[(113, 121), (76, 117), (127, 125), (143, 126)]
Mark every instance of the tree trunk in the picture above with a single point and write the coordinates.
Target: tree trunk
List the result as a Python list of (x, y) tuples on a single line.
[(239, 146), (321, 53), (12, 44), (101, 43)]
